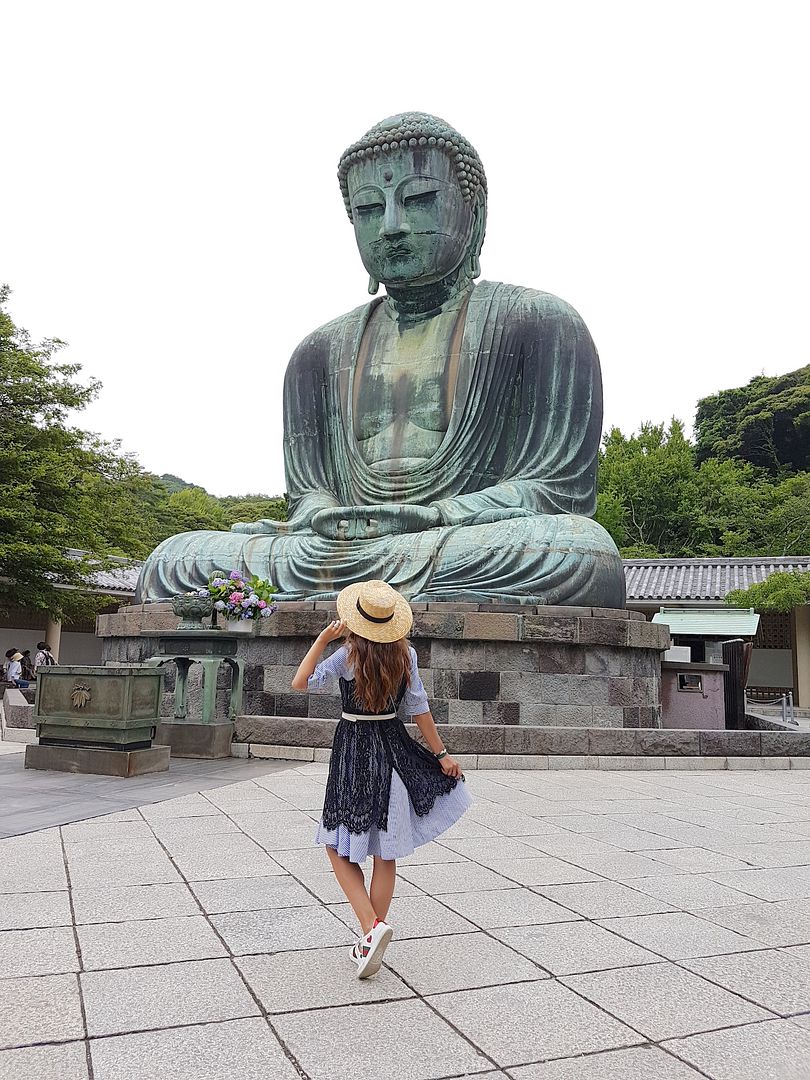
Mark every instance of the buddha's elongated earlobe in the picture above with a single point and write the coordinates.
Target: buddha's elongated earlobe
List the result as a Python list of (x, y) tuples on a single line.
[(477, 237), (373, 285)]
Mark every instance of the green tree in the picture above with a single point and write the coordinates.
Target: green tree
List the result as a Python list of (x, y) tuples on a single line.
[(50, 477), (174, 483), (780, 592), (193, 508), (642, 489), (254, 508), (766, 422)]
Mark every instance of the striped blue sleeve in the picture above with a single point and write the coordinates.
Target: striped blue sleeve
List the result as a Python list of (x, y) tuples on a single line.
[(415, 701), (327, 673)]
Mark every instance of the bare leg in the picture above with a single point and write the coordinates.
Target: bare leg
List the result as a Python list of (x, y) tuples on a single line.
[(350, 878), (383, 880)]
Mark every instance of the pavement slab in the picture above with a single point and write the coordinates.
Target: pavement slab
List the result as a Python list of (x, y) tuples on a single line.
[(147, 941), (777, 979), (425, 1047), (311, 979), (494, 908), (102, 904), (566, 948), (416, 917), (458, 962), (662, 1001), (679, 935), (41, 1009), (572, 926), (640, 1063), (49, 951), (530, 1022), (25, 911), (774, 1049), (167, 995), (66, 1062), (603, 899), (240, 1050), (251, 894)]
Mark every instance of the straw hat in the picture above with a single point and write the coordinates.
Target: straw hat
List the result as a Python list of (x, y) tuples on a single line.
[(373, 610), (17, 656)]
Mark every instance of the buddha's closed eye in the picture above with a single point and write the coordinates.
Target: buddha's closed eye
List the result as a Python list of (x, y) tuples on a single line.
[(421, 198)]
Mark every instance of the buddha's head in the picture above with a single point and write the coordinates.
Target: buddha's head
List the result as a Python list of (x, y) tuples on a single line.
[(415, 191)]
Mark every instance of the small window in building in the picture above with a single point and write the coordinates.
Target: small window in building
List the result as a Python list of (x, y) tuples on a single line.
[(690, 683)]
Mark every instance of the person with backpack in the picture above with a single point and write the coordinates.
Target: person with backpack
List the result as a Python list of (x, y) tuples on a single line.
[(44, 657)]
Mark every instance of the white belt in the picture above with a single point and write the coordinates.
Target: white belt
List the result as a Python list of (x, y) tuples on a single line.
[(354, 717)]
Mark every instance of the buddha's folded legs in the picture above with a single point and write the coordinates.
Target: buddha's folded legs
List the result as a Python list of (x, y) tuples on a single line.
[(550, 559)]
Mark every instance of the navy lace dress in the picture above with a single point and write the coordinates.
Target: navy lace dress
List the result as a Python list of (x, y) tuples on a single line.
[(386, 794)]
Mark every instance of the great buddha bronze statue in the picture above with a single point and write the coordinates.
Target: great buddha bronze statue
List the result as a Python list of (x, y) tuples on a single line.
[(443, 438)]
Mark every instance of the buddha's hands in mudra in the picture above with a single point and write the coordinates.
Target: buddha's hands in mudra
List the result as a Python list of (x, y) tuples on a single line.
[(369, 522), (500, 513)]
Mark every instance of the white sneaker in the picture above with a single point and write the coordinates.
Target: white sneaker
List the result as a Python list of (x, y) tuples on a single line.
[(372, 949)]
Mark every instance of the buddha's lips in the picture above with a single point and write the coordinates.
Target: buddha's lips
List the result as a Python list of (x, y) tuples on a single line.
[(397, 251)]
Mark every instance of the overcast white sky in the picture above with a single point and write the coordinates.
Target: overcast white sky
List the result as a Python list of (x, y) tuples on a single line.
[(169, 206)]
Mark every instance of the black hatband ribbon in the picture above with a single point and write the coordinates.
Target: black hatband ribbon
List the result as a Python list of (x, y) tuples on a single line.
[(373, 618)]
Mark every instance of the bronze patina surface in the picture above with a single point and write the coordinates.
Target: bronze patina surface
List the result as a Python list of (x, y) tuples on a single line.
[(444, 437), (113, 707)]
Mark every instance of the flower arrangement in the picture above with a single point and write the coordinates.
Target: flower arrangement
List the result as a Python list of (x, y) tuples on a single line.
[(237, 597)]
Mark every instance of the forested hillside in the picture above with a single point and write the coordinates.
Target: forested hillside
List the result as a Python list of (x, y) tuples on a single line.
[(742, 487)]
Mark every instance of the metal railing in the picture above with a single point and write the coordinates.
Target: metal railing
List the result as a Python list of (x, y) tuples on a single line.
[(784, 700)]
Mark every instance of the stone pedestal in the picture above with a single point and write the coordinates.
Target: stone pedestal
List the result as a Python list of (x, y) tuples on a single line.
[(189, 740), (527, 667), (82, 759)]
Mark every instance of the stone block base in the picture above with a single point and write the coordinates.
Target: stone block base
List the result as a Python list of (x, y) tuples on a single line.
[(510, 762), (196, 740), (17, 711), (550, 667), (79, 759), (493, 740)]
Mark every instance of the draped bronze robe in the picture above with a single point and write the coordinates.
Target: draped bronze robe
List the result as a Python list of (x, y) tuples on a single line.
[(523, 433)]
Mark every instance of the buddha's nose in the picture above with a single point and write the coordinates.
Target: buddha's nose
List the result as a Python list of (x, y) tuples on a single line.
[(394, 223)]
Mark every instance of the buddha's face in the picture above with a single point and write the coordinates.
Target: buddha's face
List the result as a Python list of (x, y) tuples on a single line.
[(411, 221)]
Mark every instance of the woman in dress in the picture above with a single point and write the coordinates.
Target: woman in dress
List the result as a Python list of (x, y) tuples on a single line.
[(386, 794)]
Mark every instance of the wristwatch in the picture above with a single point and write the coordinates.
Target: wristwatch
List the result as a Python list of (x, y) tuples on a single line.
[(442, 753)]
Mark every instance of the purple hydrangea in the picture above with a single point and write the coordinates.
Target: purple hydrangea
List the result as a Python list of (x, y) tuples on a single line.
[(234, 575)]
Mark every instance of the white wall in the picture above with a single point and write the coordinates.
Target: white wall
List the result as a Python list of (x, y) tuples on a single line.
[(79, 649), (73, 649)]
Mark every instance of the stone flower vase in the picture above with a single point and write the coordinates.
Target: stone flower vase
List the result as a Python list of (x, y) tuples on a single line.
[(192, 609)]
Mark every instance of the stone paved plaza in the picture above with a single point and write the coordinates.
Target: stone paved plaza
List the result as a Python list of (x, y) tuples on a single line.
[(574, 926)]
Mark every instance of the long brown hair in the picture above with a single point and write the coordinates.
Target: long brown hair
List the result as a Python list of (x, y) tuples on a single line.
[(379, 670)]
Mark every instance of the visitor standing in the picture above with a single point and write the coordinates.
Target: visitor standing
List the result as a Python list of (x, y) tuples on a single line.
[(386, 794), (27, 665), (44, 657)]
